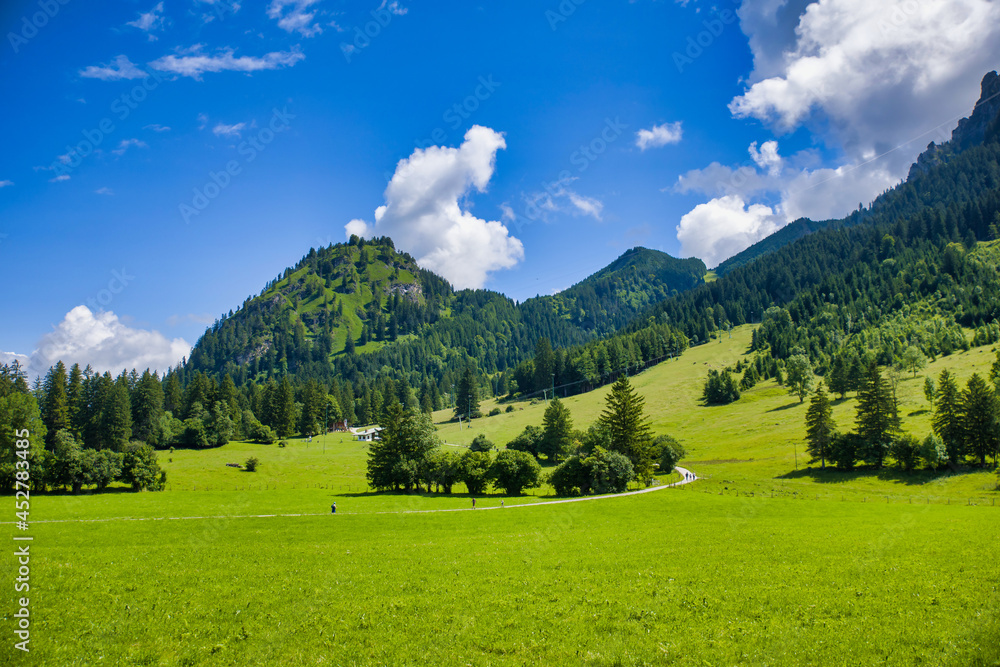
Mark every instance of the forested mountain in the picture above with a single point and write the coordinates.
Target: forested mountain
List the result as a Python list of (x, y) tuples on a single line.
[(351, 310), (909, 270), (982, 126)]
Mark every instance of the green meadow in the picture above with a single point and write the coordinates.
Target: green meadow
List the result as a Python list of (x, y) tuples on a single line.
[(670, 577), (763, 561)]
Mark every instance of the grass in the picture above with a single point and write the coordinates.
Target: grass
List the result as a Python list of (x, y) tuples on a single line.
[(671, 577), (757, 444), (759, 562)]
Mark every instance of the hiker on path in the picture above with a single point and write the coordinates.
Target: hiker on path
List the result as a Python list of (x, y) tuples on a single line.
[(473, 503), (333, 508)]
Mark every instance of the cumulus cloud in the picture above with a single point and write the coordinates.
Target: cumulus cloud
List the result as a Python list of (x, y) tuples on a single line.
[(59, 179), (423, 211), (879, 73), (101, 340), (119, 68), (295, 16), (228, 130), (150, 21), (195, 64), (6, 184), (104, 191), (156, 127), (874, 80), (659, 135), (724, 226)]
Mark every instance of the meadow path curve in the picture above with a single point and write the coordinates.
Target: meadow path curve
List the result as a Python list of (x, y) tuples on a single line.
[(687, 475)]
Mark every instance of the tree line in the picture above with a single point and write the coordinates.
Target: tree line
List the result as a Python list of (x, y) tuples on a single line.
[(619, 448)]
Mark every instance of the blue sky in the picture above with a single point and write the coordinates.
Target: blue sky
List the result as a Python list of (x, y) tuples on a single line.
[(163, 160)]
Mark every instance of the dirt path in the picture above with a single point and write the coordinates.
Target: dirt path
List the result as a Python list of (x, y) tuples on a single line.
[(687, 474)]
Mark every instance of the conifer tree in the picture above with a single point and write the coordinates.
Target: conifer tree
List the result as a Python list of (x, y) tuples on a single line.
[(558, 429), (467, 395), (947, 420), (877, 418), (819, 426), (980, 419), (628, 429), (55, 409)]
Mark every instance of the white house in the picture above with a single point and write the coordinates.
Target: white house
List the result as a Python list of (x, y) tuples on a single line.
[(366, 434)]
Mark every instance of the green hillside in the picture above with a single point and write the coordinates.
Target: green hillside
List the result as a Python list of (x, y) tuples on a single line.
[(351, 310)]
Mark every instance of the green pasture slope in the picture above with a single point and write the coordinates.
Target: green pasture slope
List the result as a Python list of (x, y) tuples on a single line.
[(758, 563)]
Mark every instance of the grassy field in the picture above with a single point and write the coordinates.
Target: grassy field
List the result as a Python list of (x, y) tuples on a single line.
[(756, 563), (757, 444), (671, 577)]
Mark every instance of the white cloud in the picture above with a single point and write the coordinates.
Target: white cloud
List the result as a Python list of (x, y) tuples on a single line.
[(101, 340), (196, 64), (125, 144), (228, 130), (150, 22), (803, 188), (767, 157), (723, 227), (423, 211), (119, 68), (156, 127), (103, 191), (874, 80), (880, 74), (59, 179), (6, 184), (202, 121), (294, 16), (557, 197), (659, 135)]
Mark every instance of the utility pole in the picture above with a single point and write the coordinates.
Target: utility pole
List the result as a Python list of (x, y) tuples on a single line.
[(326, 424), (553, 385)]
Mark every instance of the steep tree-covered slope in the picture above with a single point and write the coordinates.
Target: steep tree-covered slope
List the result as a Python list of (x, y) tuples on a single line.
[(352, 309)]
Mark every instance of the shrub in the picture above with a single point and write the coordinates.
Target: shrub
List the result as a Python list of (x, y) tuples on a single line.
[(668, 452), (906, 451), (844, 450), (475, 468), (251, 464), (494, 412), (514, 471), (282, 444), (480, 444), (510, 408), (933, 451), (720, 388), (530, 441)]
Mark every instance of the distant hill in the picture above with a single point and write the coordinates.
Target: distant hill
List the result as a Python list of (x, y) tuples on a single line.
[(357, 308), (982, 126)]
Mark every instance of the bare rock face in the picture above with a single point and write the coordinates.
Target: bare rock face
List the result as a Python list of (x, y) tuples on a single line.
[(970, 131)]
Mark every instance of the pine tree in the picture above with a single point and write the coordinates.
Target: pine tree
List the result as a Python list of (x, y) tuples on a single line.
[(349, 345), (116, 415), (467, 395), (283, 408), (74, 393), (147, 409), (947, 420), (837, 377), (980, 419), (558, 429), (172, 395), (628, 429), (545, 364), (877, 418), (55, 408), (819, 426)]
